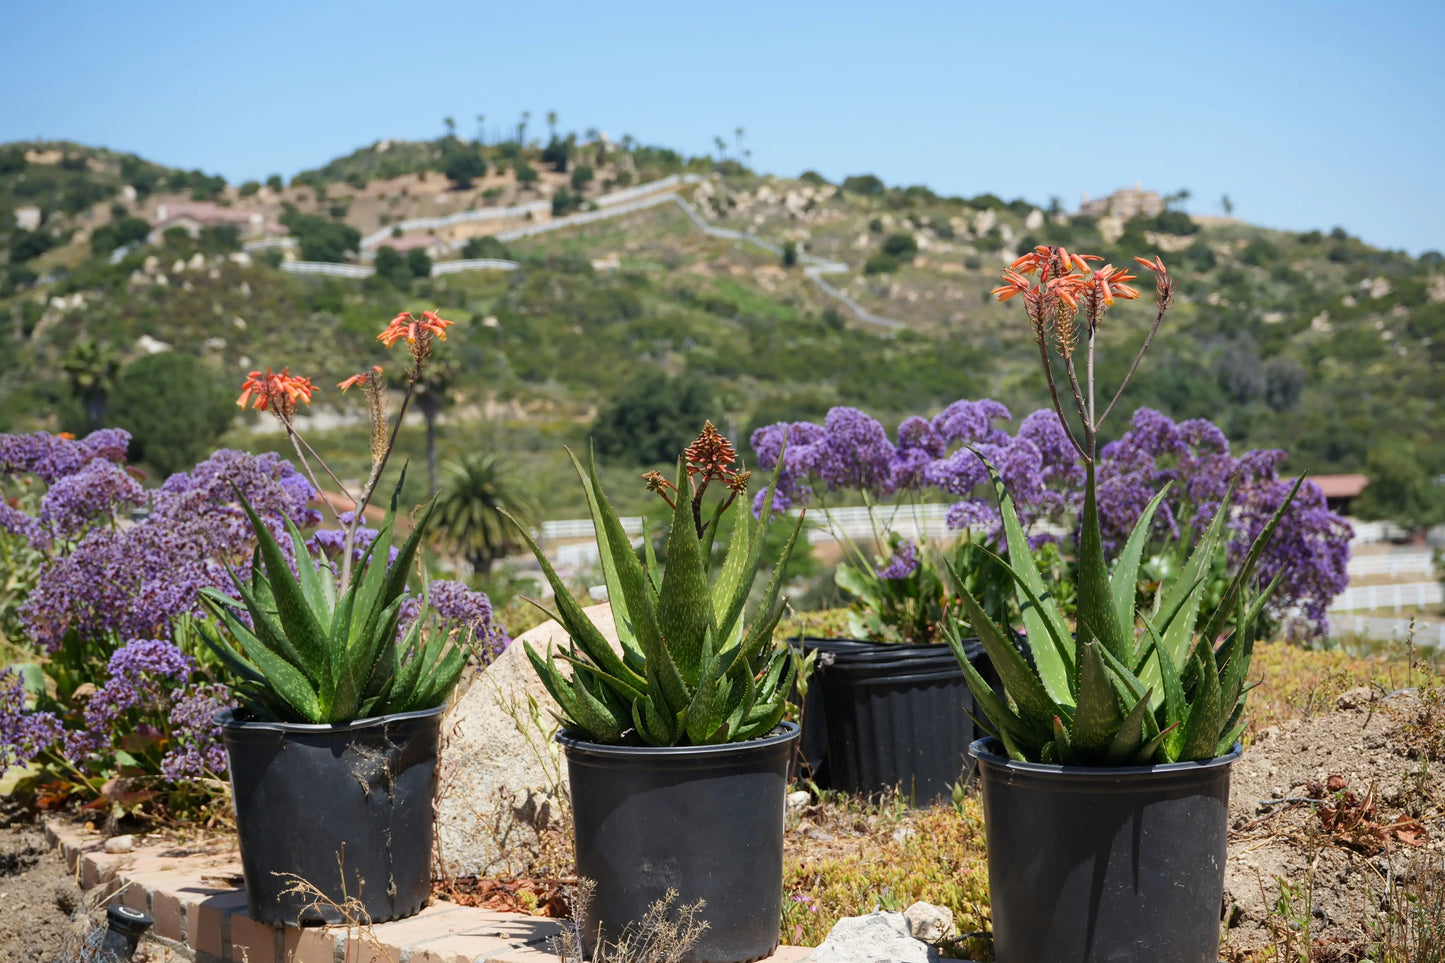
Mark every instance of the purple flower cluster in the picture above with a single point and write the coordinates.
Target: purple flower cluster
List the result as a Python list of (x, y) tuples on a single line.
[(196, 748), (455, 606), (137, 581), (903, 563), (140, 673), (1045, 478), (24, 733), (52, 457)]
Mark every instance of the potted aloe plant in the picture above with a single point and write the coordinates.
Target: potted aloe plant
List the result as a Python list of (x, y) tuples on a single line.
[(333, 746), (1105, 780), (676, 747)]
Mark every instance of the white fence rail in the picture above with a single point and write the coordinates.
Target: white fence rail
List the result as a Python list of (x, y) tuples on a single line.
[(588, 217), (1398, 597), (1377, 531), (328, 269), (1392, 564), (474, 264), (1372, 627), (269, 243)]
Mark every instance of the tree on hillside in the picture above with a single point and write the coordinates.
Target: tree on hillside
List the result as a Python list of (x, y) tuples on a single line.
[(581, 176), (418, 262), (433, 393), (451, 126), (91, 366), (476, 488), (522, 128), (552, 124), (174, 407), (462, 164), (320, 238), (1401, 488), (526, 173), (652, 418), (904, 247), (558, 153), (391, 266)]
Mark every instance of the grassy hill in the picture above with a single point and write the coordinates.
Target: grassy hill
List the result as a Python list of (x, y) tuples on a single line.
[(1313, 342)]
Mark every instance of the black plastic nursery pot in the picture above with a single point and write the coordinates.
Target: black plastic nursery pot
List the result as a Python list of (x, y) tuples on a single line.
[(705, 821), (1104, 865), (347, 808), (883, 715)]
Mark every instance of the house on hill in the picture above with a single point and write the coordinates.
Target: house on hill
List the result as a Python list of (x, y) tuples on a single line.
[(196, 215), (434, 246), (1126, 203), (1341, 490)]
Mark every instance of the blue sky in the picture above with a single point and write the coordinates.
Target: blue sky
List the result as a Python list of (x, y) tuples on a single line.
[(1308, 115)]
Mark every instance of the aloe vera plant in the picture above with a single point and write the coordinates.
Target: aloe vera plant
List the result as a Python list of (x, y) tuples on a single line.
[(313, 653), (1107, 693), (690, 671)]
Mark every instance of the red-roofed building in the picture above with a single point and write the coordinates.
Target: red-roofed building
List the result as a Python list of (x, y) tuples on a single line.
[(1340, 489), (196, 215)]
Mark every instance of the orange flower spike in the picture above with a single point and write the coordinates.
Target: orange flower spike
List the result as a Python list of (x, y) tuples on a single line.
[(436, 325), (1156, 265), (397, 329), (352, 382), (255, 384), (294, 387), (1081, 261), (1017, 284)]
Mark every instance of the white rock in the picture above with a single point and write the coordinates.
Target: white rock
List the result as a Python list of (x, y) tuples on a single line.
[(877, 936), (1034, 221), (151, 264), (178, 266), (241, 258), (197, 261), (215, 344), (496, 754), (151, 345), (930, 923), (120, 844), (799, 799)]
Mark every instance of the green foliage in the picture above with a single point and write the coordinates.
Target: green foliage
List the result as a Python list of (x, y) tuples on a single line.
[(582, 175), (28, 245), (650, 419), (1401, 489), (881, 263), (901, 246), (558, 152), (790, 254), (275, 183), (690, 672), (125, 230), (463, 164), (565, 202), (392, 266), (1100, 696), (321, 238), (418, 262), (486, 247), (316, 654), (526, 173), (866, 185), (173, 406), (476, 489)]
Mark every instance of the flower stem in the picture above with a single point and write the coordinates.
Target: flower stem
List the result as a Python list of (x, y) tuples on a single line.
[(377, 467), (1054, 394), (1135, 366)]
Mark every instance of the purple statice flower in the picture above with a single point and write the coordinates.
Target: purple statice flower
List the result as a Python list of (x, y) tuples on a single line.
[(329, 542), (903, 563), (137, 581), (855, 453), (140, 673), (977, 516), (918, 445), (802, 444), (94, 493), (196, 749), (456, 606), (52, 457), (16, 522), (24, 734), (971, 423)]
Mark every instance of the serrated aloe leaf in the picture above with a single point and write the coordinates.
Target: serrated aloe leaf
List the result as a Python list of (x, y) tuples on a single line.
[(1095, 596), (651, 725), (1040, 622), (307, 577), (286, 681), (584, 634), (1130, 738), (1019, 681), (731, 612), (1174, 705), (628, 593), (1003, 722), (1097, 716), (1202, 726), (1041, 615), (700, 710), (684, 603), (771, 607), (1124, 584), (726, 588), (1063, 746), (297, 622), (263, 625), (1153, 749), (1227, 741)]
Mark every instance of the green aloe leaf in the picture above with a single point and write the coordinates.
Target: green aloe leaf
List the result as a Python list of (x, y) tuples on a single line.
[(684, 603), (1251, 558), (1041, 621), (1130, 738), (1205, 721), (1019, 681), (1097, 716), (1124, 584), (298, 624), (631, 598), (1096, 599)]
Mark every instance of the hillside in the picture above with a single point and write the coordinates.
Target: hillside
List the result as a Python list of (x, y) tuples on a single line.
[(1312, 342)]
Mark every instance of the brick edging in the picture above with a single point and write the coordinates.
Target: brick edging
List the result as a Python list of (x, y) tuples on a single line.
[(194, 895)]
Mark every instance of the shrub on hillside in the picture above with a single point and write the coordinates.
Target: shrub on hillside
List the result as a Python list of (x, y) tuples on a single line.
[(881, 263), (651, 419), (902, 246), (173, 407)]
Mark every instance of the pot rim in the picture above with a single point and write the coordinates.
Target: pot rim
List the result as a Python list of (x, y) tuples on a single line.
[(874, 643), (785, 732), (983, 751), (227, 719)]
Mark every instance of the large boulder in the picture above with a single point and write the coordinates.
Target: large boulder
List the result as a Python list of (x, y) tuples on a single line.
[(877, 936), (503, 778)]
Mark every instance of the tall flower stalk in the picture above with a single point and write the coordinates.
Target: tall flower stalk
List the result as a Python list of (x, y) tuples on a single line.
[(281, 393)]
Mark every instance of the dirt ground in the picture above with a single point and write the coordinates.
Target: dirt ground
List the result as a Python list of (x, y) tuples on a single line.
[(1345, 809), (37, 894)]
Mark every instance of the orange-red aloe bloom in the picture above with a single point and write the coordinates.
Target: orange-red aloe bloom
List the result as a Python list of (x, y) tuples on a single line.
[(357, 379), (410, 328), (1156, 265), (1109, 282), (264, 390), (1017, 284)]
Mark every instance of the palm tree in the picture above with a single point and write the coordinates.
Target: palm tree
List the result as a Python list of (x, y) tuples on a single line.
[(476, 488), (522, 128), (91, 367), (433, 393), (481, 130), (552, 124)]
